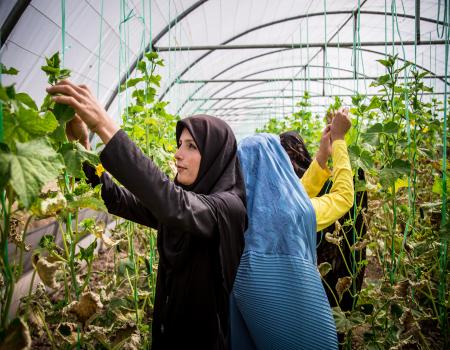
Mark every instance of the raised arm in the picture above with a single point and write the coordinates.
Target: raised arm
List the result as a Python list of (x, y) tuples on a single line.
[(339, 200), (318, 173), (168, 203), (119, 201)]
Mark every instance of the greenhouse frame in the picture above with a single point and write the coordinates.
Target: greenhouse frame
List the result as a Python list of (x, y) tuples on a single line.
[(74, 276)]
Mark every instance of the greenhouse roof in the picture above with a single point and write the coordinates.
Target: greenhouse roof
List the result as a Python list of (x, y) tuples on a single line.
[(243, 61)]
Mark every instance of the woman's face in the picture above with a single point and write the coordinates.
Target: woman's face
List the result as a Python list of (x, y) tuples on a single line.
[(187, 159)]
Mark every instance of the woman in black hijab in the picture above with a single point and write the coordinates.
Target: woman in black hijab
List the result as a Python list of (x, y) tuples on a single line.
[(200, 217), (296, 149)]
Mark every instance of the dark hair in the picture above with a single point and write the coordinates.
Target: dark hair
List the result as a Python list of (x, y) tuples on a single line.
[(295, 147)]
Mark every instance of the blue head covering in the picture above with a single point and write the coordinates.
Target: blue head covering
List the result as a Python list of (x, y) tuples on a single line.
[(281, 216)]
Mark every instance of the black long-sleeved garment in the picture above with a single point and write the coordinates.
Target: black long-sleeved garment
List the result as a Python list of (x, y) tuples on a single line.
[(198, 257)]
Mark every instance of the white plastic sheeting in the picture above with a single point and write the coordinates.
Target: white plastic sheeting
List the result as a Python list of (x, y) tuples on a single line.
[(277, 76)]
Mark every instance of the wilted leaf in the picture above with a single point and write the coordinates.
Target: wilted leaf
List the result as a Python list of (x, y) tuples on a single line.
[(47, 271), (359, 245), (68, 331), (343, 284), (343, 325), (17, 336), (329, 237), (324, 268), (88, 306), (49, 206)]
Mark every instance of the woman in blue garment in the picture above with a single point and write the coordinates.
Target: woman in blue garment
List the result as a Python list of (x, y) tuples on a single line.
[(278, 301)]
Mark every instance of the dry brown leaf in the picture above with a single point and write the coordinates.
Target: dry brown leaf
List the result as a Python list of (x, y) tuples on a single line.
[(343, 284), (47, 271), (88, 306), (17, 336)]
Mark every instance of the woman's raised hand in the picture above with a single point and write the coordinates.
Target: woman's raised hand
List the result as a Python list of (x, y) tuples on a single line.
[(80, 98), (76, 130), (324, 151), (340, 125)]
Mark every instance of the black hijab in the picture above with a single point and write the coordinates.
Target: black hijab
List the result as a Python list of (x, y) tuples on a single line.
[(295, 147), (220, 174)]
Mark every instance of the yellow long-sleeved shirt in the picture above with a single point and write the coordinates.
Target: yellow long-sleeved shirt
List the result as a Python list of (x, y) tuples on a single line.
[(333, 205)]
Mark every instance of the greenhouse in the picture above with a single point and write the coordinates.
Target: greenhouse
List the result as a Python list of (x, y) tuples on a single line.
[(211, 174)]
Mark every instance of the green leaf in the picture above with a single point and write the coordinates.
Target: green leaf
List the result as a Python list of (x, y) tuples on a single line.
[(54, 61), (88, 253), (386, 63), (5, 174), (26, 100), (50, 70), (59, 134), (155, 79), (47, 242), (438, 185), (383, 79), (8, 71), (3, 95), (391, 128), (131, 82), (32, 165), (63, 113), (11, 92), (28, 124), (63, 74), (374, 129), (398, 168), (74, 156), (142, 66), (151, 55)]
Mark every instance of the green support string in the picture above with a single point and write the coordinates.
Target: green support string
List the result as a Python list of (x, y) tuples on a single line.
[(99, 50), (444, 209), (408, 132), (1, 106)]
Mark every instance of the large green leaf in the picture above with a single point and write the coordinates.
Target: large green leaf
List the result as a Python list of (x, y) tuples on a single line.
[(32, 165), (74, 155), (27, 124), (398, 168)]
